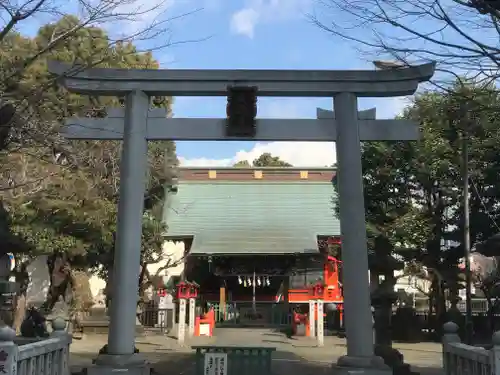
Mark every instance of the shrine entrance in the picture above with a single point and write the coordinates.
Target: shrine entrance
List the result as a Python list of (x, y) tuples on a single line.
[(137, 124), (253, 290), (248, 246)]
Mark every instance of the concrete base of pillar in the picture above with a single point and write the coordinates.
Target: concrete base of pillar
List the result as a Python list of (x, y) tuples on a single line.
[(361, 366), (107, 364)]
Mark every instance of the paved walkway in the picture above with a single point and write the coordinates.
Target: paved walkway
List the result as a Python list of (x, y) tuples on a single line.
[(293, 355)]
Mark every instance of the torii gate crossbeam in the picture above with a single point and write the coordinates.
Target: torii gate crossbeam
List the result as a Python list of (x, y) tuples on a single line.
[(294, 83), (138, 124), (159, 127)]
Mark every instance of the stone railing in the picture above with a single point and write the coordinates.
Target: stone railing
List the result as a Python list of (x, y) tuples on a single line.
[(19, 356), (459, 358)]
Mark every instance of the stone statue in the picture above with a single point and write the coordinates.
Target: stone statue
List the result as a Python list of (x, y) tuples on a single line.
[(81, 299), (34, 324), (383, 296), (69, 285), (60, 280)]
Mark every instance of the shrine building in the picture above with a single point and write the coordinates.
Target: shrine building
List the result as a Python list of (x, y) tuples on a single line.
[(256, 236)]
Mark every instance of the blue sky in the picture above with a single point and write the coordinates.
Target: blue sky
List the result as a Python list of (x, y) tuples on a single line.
[(273, 34), (276, 34), (254, 34), (251, 34)]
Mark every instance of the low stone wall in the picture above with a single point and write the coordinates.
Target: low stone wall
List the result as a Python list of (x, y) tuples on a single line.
[(459, 358), (27, 356)]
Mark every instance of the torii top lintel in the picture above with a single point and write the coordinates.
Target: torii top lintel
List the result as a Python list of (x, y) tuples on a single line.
[(298, 83)]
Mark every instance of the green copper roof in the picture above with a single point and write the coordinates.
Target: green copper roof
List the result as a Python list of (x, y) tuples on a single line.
[(227, 217)]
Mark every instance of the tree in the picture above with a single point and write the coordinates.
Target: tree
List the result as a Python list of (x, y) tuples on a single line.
[(242, 164), (460, 35), (264, 160), (20, 54), (62, 196), (411, 195), (267, 160)]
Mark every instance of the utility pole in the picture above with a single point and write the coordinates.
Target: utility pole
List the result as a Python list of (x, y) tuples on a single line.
[(466, 229)]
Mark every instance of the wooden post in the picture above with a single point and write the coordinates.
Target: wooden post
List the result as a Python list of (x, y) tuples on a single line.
[(174, 320), (312, 318), (222, 302), (182, 321), (286, 299), (320, 334), (192, 314), (286, 293)]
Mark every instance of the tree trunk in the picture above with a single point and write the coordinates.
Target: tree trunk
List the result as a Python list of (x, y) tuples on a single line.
[(438, 303), (19, 312), (60, 279), (22, 278), (440, 309)]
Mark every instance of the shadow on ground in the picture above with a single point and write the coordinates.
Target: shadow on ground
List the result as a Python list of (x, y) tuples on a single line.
[(172, 364), (292, 356), (284, 363)]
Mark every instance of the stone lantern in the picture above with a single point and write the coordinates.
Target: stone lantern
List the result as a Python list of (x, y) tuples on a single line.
[(383, 297)]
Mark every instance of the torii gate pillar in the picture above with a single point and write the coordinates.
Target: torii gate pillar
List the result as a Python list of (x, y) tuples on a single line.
[(350, 186), (358, 319), (136, 125)]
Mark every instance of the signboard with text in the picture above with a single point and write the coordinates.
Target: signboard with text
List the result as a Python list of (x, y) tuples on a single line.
[(215, 364)]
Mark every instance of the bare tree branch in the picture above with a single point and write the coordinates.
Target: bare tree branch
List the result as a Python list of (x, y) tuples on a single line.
[(453, 33)]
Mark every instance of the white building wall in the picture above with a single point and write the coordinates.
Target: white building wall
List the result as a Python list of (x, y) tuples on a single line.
[(172, 252), (410, 284), (39, 280), (38, 287)]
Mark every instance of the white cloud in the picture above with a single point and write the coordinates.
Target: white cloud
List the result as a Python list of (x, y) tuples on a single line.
[(136, 20), (299, 154), (244, 20), (389, 107), (204, 162)]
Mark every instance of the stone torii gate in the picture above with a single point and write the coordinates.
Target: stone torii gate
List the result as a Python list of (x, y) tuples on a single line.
[(137, 124)]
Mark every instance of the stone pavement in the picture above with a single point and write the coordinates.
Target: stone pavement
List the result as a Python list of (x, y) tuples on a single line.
[(293, 355)]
